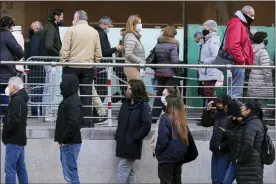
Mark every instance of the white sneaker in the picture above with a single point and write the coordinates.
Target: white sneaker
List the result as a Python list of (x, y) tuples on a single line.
[(49, 119)]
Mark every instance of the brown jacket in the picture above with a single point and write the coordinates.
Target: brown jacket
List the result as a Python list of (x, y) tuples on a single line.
[(81, 43)]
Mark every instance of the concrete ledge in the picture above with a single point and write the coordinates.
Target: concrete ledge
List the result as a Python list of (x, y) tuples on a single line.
[(107, 133)]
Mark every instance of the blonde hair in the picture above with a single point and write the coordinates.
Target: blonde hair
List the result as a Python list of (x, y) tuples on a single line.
[(169, 31), (131, 23)]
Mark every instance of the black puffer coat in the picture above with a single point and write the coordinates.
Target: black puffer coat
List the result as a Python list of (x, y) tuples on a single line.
[(245, 152), (218, 143)]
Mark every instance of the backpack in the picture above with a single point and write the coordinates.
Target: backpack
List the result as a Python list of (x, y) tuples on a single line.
[(268, 149)]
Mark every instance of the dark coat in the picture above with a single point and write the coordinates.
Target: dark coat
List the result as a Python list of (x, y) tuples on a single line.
[(134, 124), (50, 40), (37, 73), (245, 151), (169, 149), (107, 51), (10, 50), (70, 112), (15, 122), (218, 143), (166, 52)]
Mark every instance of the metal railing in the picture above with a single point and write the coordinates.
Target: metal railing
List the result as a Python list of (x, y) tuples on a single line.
[(114, 81)]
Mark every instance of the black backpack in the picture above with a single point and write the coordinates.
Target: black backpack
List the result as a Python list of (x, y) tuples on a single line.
[(268, 149)]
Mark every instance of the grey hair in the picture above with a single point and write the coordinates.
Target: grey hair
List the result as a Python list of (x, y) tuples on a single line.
[(198, 34), (38, 25), (82, 15), (212, 25), (247, 9), (105, 20), (17, 82)]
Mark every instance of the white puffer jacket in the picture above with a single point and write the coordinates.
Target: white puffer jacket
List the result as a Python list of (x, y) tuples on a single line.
[(259, 78), (17, 33)]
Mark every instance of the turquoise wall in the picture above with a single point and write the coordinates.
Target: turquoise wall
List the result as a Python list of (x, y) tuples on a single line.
[(193, 53)]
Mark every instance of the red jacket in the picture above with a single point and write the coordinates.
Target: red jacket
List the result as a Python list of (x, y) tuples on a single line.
[(237, 42)]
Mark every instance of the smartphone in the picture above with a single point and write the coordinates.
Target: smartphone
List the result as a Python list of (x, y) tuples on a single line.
[(222, 129)]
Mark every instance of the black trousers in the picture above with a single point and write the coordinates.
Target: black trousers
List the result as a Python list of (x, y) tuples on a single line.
[(101, 79), (119, 71), (170, 173), (85, 76), (157, 104)]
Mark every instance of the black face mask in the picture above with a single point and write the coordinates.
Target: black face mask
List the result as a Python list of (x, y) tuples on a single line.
[(205, 32), (31, 32), (248, 19), (219, 109), (265, 42)]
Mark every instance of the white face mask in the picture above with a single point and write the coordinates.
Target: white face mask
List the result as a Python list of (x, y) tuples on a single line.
[(163, 100), (7, 91), (139, 27), (73, 23), (107, 30)]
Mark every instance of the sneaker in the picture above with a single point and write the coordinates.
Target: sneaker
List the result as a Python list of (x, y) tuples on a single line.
[(49, 119), (101, 120)]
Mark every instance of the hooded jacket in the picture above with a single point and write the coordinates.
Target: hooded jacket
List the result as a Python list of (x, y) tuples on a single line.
[(166, 52), (237, 40), (15, 122), (209, 52), (259, 78), (70, 112), (10, 50)]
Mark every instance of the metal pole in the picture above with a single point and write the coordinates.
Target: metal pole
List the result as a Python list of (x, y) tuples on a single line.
[(185, 47), (109, 93)]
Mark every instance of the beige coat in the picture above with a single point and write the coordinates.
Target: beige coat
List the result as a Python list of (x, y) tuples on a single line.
[(81, 43)]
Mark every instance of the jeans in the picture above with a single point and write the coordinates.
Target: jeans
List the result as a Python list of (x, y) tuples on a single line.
[(15, 164), (126, 173), (69, 156), (49, 90), (36, 99), (170, 173), (230, 174), (4, 100), (85, 76), (237, 80), (157, 104), (219, 168)]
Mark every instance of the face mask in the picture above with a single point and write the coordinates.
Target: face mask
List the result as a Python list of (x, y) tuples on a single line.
[(248, 19), (73, 23), (205, 32), (265, 42), (107, 30), (163, 99), (139, 28), (31, 31), (61, 22), (219, 109), (7, 91)]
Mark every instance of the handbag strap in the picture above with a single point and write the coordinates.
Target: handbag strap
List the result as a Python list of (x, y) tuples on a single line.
[(221, 45)]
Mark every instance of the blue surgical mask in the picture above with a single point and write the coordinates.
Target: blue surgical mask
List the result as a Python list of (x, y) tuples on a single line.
[(163, 99)]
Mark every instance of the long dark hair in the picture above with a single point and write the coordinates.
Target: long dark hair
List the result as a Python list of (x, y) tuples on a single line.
[(174, 91), (255, 108), (138, 90), (177, 115)]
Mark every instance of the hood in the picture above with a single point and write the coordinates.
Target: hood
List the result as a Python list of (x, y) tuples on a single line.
[(210, 35), (16, 28), (23, 94), (163, 39), (69, 85), (256, 47), (241, 16)]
